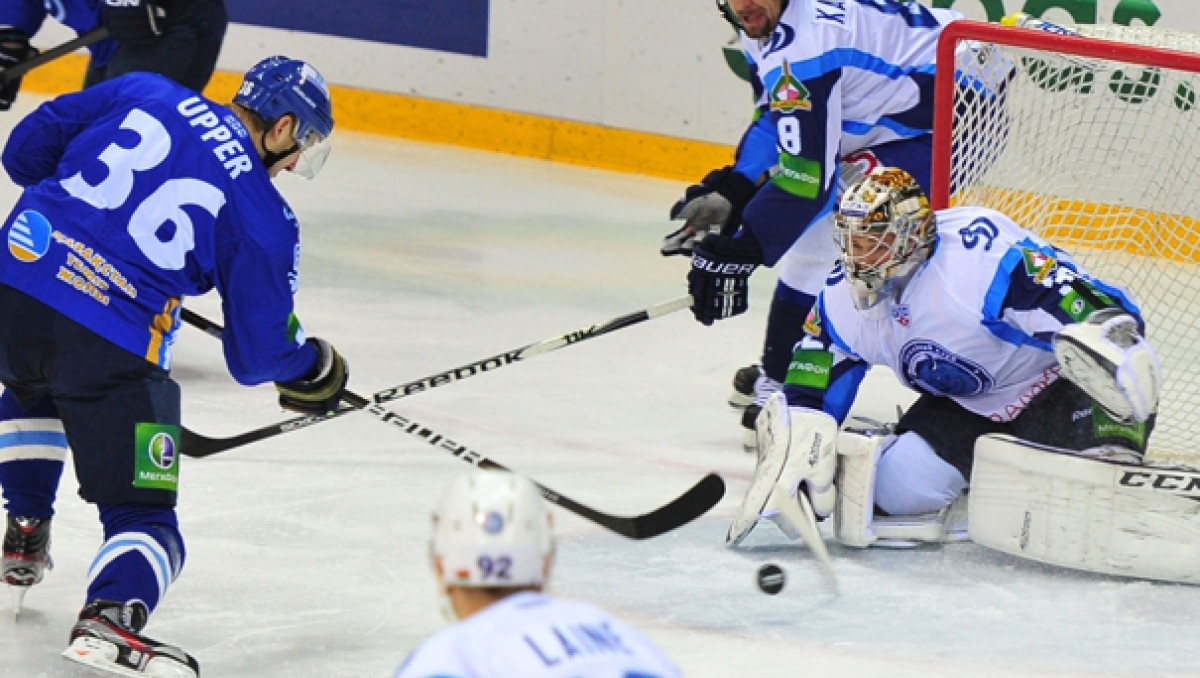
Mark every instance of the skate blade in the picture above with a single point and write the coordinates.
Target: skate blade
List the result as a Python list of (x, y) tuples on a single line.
[(101, 656), (18, 594)]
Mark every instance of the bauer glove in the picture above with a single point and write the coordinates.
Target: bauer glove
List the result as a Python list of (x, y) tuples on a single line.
[(711, 206), (14, 48), (321, 391), (719, 280), (133, 20)]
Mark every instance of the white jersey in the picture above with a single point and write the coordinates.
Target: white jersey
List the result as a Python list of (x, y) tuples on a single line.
[(535, 636), (833, 78), (974, 324)]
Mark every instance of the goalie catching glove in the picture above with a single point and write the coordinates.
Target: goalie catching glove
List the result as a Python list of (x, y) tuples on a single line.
[(14, 48), (711, 206), (1106, 357), (321, 391), (133, 20), (719, 280)]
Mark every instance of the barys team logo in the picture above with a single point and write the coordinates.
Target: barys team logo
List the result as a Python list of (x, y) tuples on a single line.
[(29, 236)]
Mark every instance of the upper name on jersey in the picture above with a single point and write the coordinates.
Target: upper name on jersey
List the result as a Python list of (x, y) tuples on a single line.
[(568, 641), (220, 138)]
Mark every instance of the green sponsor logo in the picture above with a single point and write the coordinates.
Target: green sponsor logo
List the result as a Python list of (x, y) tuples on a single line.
[(1079, 308), (1105, 426), (810, 368), (156, 461), (799, 176)]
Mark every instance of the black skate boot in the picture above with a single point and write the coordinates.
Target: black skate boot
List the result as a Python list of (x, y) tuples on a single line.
[(26, 555), (108, 638), (743, 394)]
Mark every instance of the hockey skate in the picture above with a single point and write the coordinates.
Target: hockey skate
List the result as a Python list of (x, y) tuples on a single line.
[(751, 388), (108, 638), (26, 555), (743, 395)]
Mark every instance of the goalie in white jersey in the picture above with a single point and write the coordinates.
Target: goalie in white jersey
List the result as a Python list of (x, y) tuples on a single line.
[(1000, 333), (492, 552)]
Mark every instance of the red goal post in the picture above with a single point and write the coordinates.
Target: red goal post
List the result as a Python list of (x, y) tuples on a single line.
[(1093, 141)]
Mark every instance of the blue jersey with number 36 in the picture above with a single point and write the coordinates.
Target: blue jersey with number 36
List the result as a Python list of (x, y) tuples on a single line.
[(139, 192)]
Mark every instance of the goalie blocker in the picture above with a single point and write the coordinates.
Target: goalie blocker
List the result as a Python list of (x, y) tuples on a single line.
[(1112, 518)]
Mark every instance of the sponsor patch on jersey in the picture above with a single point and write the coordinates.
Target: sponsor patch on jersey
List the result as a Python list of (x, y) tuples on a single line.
[(935, 370), (789, 95), (156, 460), (1078, 307), (902, 315), (810, 369), (1038, 265), (29, 236), (1105, 427)]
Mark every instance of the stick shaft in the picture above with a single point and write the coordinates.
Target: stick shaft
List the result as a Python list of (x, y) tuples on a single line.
[(202, 446), (17, 70)]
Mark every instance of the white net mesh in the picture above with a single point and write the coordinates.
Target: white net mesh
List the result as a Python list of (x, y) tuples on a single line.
[(1099, 156)]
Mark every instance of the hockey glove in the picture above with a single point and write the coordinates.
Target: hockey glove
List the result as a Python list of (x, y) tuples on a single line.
[(713, 205), (719, 280), (14, 48), (1106, 357), (321, 391), (133, 20)]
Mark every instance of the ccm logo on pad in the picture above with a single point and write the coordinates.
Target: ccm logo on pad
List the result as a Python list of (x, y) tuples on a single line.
[(1183, 484)]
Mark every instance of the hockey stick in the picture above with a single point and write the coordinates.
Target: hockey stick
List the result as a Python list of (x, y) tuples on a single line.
[(678, 512), (17, 70), (197, 445)]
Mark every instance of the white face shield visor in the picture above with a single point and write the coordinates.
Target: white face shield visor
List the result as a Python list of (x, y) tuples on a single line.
[(314, 149)]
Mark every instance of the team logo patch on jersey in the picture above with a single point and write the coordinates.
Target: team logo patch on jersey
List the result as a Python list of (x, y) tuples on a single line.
[(156, 464), (935, 370), (902, 315), (29, 236), (812, 324), (1038, 265), (789, 94)]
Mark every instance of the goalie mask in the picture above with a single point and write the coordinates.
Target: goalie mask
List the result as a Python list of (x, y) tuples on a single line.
[(885, 232), (492, 529)]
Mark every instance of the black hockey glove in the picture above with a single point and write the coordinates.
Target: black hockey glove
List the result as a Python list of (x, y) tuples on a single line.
[(133, 20), (321, 390), (14, 48), (713, 205), (719, 280)]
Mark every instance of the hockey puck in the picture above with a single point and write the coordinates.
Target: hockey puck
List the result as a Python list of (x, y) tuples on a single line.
[(770, 579)]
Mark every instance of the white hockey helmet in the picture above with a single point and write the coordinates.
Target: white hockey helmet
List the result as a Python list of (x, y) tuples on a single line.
[(492, 529), (885, 231)]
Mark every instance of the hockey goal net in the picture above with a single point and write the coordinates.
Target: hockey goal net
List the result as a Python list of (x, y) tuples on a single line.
[(1093, 141)]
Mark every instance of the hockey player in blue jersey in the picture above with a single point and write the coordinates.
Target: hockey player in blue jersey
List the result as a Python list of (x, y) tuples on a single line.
[(492, 553), (139, 192), (180, 39), (998, 331), (839, 85)]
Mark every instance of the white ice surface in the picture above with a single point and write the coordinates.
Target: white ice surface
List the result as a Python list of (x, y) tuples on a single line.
[(307, 553)]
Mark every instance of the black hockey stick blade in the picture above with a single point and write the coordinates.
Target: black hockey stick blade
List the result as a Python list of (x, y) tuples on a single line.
[(19, 69), (679, 512), (196, 445)]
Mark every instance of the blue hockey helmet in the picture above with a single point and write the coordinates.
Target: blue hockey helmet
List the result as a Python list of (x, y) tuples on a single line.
[(279, 85)]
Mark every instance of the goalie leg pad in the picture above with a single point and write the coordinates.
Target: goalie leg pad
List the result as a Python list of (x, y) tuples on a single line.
[(1059, 508), (795, 448), (858, 457)]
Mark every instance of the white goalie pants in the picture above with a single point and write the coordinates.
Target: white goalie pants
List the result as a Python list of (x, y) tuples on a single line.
[(911, 479)]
